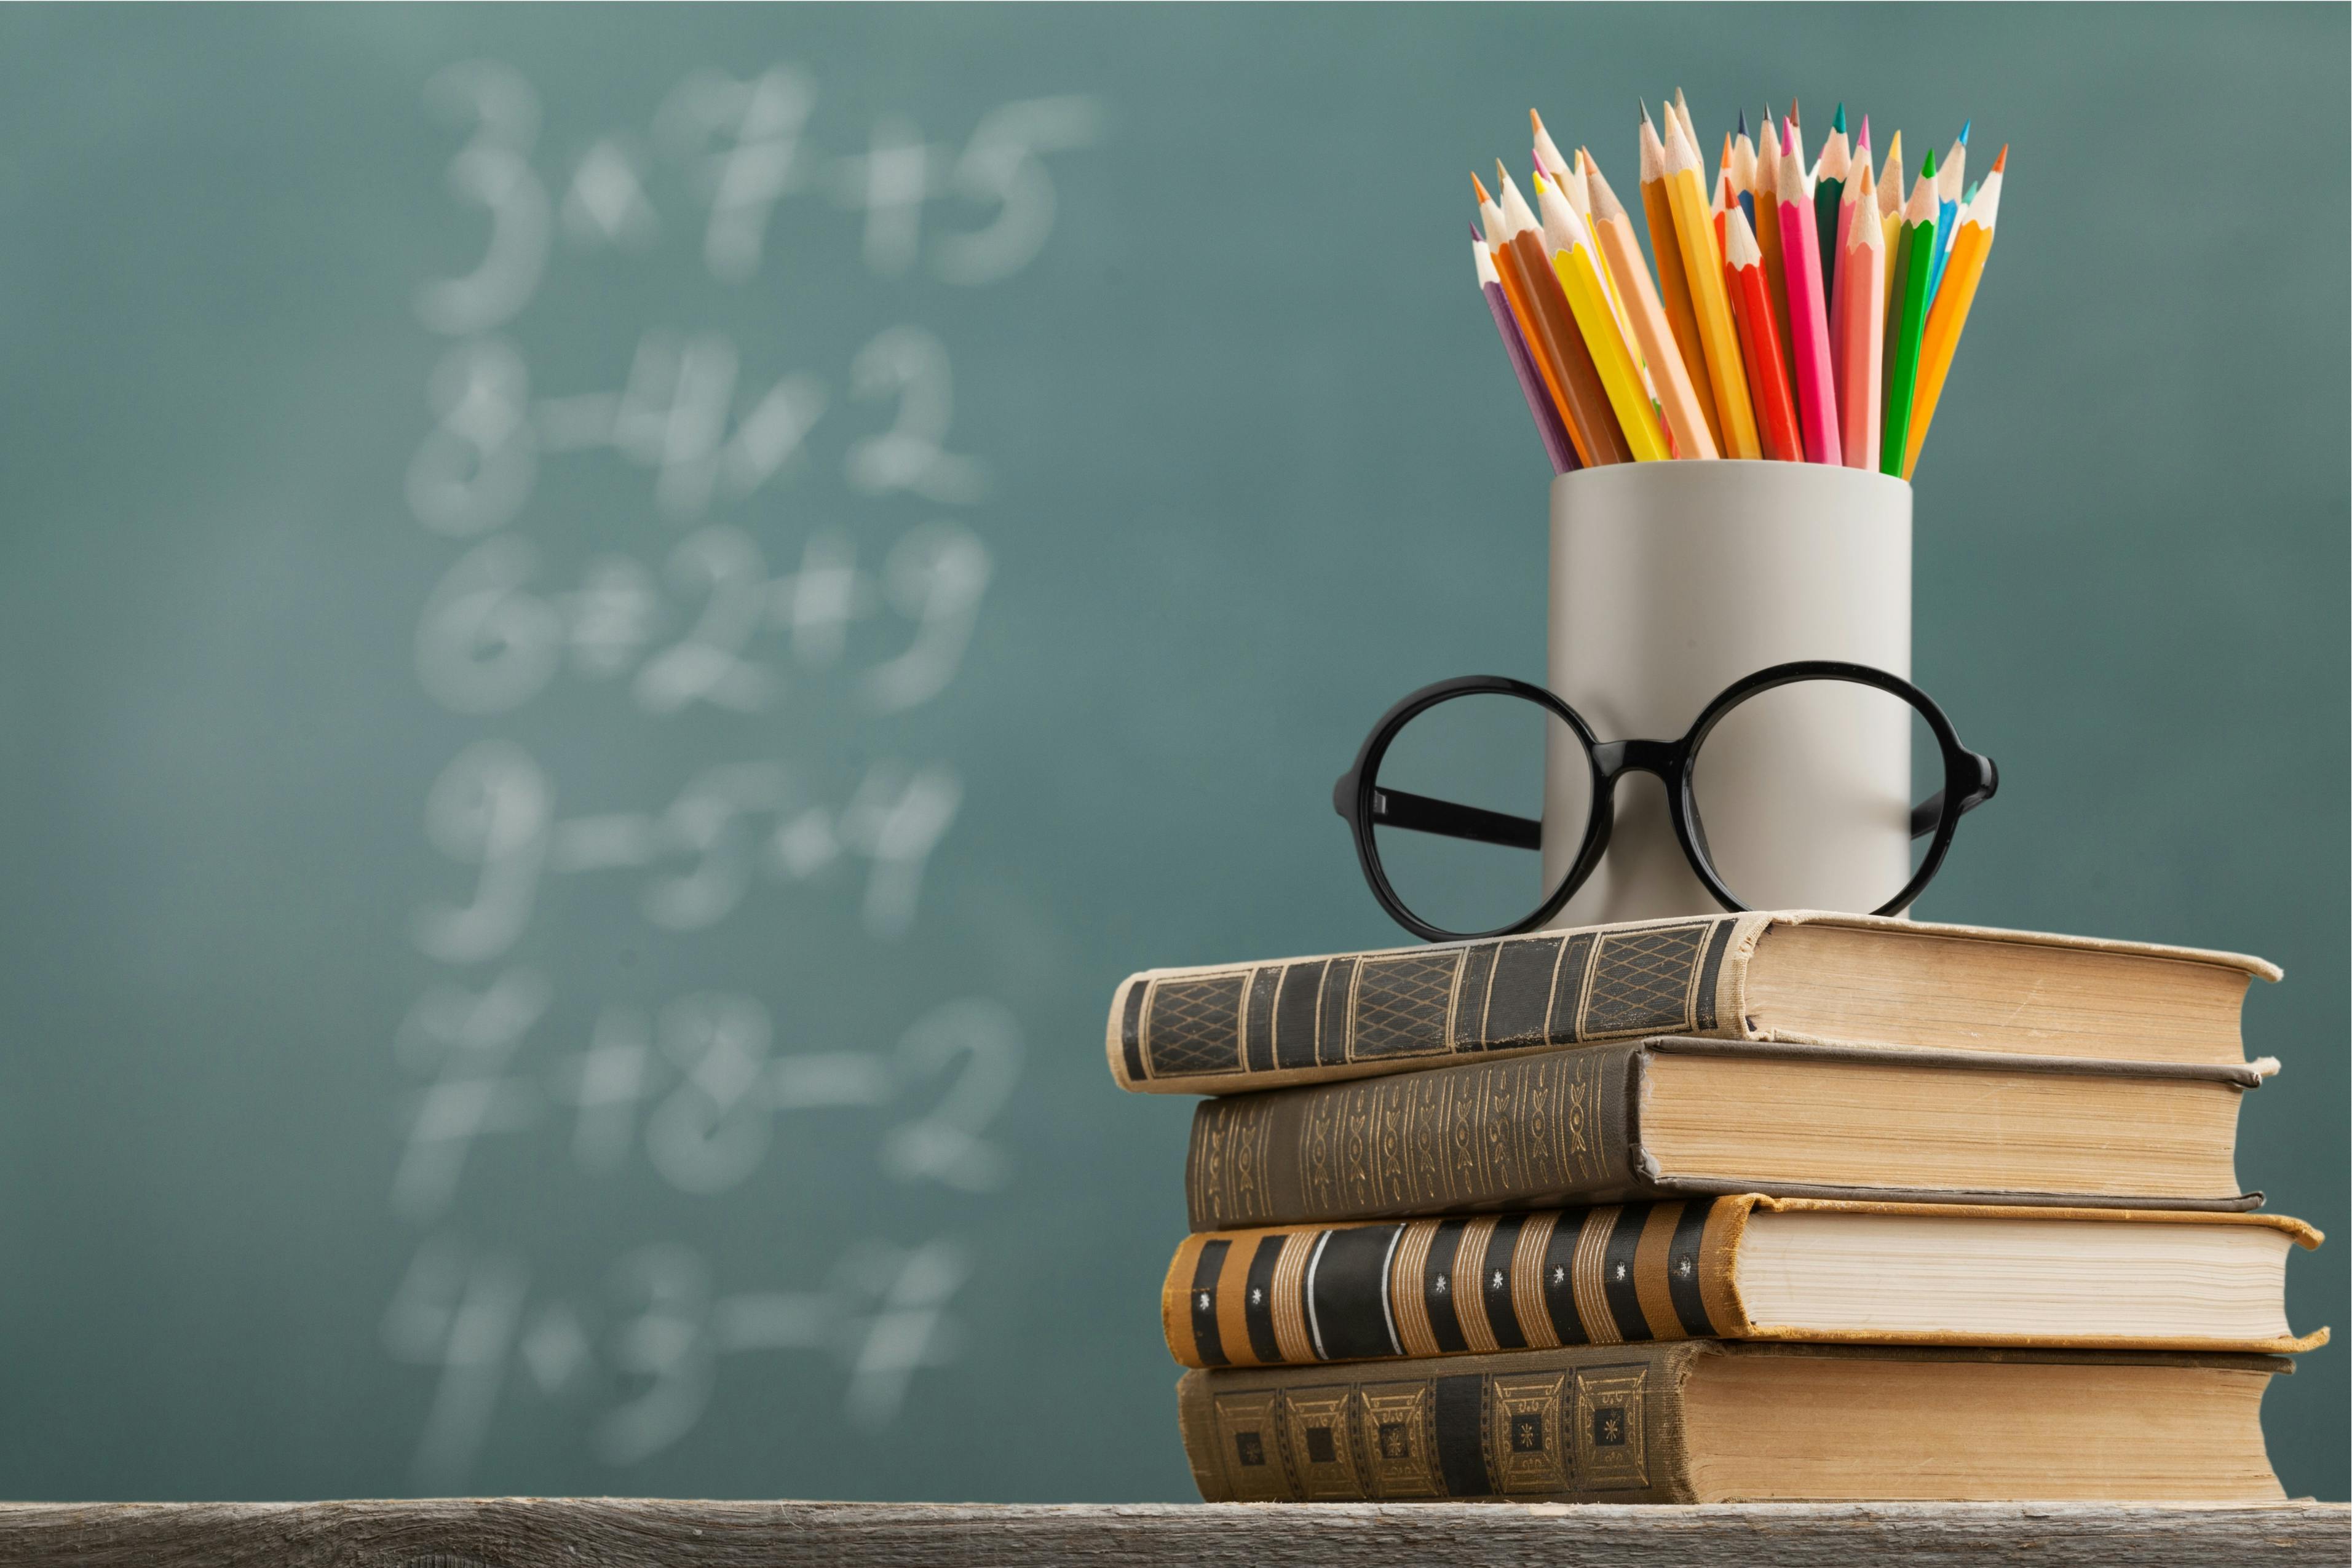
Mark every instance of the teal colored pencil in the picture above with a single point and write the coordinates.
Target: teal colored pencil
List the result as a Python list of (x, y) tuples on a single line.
[(1903, 352)]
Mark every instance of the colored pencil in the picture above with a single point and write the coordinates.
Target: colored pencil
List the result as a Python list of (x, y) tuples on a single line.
[(1512, 276), (1743, 170), (1709, 300), (1574, 260), (1808, 352), (1861, 199), (1861, 285), (1776, 416), (1549, 156), (1950, 314), (1829, 195), (1670, 376), (1903, 352), (1890, 194), (1950, 177), (1767, 233), (1548, 429), (1589, 172), (1673, 284), (1584, 401)]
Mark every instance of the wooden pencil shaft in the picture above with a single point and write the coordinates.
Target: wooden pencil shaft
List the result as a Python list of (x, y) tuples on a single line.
[(1673, 290)]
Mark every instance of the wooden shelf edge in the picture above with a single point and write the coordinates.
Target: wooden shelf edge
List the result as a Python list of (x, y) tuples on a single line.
[(590, 1532)]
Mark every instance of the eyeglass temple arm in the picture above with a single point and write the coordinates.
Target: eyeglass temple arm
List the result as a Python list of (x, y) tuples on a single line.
[(1420, 814), (1930, 811)]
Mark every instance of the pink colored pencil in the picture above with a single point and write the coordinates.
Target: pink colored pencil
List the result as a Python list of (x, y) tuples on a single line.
[(1862, 290), (1809, 325)]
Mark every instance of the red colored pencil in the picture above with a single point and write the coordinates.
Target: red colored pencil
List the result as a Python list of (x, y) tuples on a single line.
[(1759, 342)]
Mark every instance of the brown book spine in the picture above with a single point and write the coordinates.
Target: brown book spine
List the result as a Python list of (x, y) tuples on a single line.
[(1531, 1131), (1252, 1027), (1614, 1275), (1597, 1424)]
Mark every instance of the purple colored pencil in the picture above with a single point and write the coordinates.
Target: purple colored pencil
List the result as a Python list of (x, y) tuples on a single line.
[(1556, 446)]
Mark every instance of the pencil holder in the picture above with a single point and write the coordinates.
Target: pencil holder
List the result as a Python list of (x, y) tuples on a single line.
[(1670, 581)]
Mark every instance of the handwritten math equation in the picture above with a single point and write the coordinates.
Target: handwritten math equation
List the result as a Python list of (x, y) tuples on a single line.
[(772, 571)]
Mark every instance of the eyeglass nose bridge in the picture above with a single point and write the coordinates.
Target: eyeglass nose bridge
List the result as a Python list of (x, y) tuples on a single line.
[(1617, 758)]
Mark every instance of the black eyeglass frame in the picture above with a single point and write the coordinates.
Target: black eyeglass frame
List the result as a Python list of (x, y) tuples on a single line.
[(1971, 779)]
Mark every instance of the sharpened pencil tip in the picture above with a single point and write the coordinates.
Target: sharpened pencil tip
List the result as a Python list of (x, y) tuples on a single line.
[(1793, 112), (1927, 165), (1743, 122), (1536, 121), (1475, 234), (1861, 138), (1837, 120), (1479, 185), (1645, 112), (2003, 159), (1964, 131)]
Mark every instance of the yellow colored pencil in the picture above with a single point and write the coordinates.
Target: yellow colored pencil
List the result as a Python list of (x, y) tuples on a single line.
[(1703, 265), (1574, 257), (1950, 314), (1673, 287)]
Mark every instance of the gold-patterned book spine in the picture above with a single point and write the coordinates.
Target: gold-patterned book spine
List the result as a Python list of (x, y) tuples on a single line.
[(1597, 1424), (1524, 1132), (1617, 1274), (1262, 1026)]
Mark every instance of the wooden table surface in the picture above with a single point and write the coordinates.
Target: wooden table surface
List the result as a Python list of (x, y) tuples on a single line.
[(555, 1532)]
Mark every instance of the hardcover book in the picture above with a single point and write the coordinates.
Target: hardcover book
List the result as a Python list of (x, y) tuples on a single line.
[(1703, 1421), (1744, 1268), (1789, 976), (1674, 1117)]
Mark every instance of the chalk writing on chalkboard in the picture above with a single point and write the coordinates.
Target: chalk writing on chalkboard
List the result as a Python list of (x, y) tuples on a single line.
[(692, 1092)]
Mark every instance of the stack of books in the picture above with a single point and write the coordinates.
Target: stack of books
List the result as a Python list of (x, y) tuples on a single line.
[(1752, 1207)]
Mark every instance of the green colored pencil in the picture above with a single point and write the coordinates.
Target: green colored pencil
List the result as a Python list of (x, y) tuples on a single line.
[(1902, 350)]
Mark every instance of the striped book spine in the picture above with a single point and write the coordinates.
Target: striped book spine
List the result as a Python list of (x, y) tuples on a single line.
[(1617, 1274)]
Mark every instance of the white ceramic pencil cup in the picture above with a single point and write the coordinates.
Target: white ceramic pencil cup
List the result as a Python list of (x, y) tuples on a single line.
[(1669, 582)]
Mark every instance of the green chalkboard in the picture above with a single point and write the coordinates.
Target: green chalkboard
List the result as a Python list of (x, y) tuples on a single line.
[(614, 624)]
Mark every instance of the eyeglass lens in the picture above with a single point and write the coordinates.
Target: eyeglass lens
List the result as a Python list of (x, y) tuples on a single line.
[(1485, 752), (1804, 795)]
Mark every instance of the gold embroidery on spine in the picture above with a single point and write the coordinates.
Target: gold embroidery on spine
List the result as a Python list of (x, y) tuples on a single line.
[(1315, 1139), (1358, 1168), (1718, 1244), (1611, 1447), (1232, 1301), (1651, 1286), (1250, 1447), (1524, 1435), (1391, 1176), (1290, 1335), (1408, 1306), (1469, 1274), (1321, 1454), (1526, 1282), (1584, 1276), (1401, 1438), (1500, 1169)]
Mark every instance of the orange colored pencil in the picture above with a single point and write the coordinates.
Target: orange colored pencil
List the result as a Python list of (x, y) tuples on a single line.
[(1949, 312), (1759, 343), (1767, 231), (1670, 377)]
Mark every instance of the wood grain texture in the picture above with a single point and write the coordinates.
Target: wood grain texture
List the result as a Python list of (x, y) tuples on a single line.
[(531, 1532)]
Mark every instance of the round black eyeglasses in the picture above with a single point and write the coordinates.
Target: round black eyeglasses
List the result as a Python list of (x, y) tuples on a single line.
[(1370, 801)]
